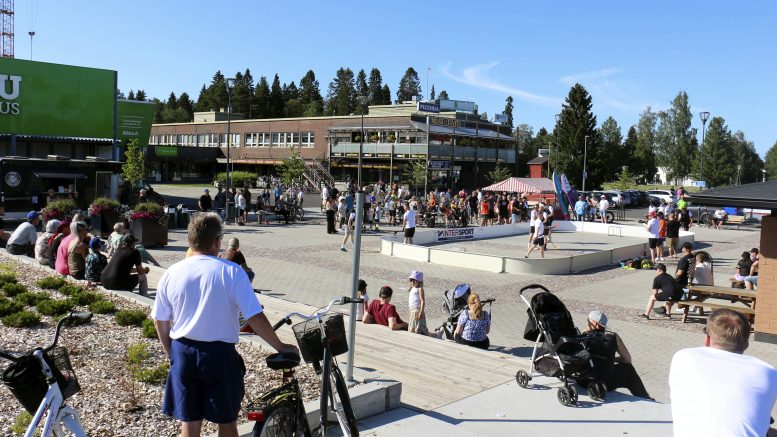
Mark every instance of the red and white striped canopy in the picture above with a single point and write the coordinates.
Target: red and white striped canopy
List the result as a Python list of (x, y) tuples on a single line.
[(523, 185)]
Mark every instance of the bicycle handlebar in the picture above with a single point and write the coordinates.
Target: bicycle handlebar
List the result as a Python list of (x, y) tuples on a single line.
[(83, 316), (344, 300)]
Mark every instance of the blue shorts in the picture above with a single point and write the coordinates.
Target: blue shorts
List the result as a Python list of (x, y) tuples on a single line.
[(205, 381)]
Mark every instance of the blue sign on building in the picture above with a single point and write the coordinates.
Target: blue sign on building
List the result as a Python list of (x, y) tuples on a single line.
[(428, 107)]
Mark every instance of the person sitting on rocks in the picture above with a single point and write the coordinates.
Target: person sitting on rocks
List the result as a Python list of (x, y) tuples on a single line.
[(118, 273), (382, 312), (42, 244), (23, 239), (62, 232), (95, 261), (119, 230), (665, 289)]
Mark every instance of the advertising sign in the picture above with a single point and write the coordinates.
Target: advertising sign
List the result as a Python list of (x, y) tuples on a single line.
[(166, 150), (428, 107), (439, 165), (134, 120), (456, 234), (38, 98)]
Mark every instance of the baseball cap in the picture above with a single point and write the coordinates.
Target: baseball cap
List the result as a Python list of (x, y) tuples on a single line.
[(603, 196), (598, 317), (32, 215), (416, 275), (206, 190), (95, 243)]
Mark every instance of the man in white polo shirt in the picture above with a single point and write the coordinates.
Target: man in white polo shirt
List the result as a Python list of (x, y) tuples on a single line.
[(716, 389), (196, 314)]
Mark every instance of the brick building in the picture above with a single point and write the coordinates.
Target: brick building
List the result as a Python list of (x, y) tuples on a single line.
[(461, 147)]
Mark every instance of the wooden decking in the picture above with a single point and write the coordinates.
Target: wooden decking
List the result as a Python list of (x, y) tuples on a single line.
[(433, 372)]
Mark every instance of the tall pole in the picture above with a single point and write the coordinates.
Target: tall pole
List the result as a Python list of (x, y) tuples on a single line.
[(558, 142), (585, 158), (357, 246), (704, 116), (426, 173), (362, 102), (230, 81), (31, 33)]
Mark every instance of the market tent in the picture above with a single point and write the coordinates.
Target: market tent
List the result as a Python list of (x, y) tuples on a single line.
[(523, 185)]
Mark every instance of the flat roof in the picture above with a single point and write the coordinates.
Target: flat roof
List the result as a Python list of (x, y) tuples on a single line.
[(761, 195)]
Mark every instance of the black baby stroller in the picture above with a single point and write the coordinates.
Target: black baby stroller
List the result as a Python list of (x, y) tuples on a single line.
[(454, 302), (560, 351)]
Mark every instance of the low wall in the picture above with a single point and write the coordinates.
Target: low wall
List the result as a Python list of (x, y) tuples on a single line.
[(393, 246)]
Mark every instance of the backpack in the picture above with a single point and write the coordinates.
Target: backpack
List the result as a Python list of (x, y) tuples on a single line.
[(646, 264)]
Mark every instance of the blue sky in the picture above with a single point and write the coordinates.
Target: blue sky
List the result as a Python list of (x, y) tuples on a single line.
[(628, 54)]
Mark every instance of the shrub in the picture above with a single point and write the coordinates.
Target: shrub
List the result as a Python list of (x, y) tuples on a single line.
[(32, 298), (21, 422), (148, 329), (9, 307), (7, 278), (239, 178), (155, 375), (130, 317), (22, 319), (12, 289), (148, 210), (51, 283), (71, 289), (85, 297), (59, 209), (102, 307), (137, 355), (54, 307), (104, 204)]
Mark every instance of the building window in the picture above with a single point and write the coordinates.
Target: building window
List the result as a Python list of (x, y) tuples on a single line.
[(308, 138), (278, 139), (264, 139), (292, 138), (212, 140), (152, 140)]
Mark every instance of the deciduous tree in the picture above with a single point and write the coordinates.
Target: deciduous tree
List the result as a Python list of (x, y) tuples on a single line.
[(771, 163)]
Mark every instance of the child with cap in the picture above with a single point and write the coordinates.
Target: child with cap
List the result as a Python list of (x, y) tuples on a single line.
[(362, 292), (417, 305), (95, 261)]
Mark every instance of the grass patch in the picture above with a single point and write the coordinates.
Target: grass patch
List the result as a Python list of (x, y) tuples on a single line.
[(51, 283), (84, 298), (11, 289), (130, 317), (148, 330), (137, 357), (102, 307), (32, 298), (55, 307), (22, 319), (71, 289)]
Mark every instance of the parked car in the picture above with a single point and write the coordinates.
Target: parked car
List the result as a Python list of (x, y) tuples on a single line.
[(638, 198), (666, 195), (617, 197)]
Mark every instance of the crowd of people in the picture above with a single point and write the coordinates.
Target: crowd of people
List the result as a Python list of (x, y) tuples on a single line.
[(273, 198)]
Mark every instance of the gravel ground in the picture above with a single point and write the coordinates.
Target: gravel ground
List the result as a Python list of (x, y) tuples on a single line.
[(110, 402)]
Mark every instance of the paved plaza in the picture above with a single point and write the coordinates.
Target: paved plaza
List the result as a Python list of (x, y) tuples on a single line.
[(302, 263)]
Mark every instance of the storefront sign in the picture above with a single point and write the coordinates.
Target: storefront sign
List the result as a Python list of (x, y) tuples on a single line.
[(38, 98), (439, 165), (135, 119), (166, 150), (428, 107), (456, 234), (13, 178), (442, 121)]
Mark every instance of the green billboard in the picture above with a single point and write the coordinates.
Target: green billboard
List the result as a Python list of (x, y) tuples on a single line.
[(38, 98), (134, 120)]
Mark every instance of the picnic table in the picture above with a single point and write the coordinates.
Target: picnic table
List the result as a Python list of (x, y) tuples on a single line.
[(699, 294)]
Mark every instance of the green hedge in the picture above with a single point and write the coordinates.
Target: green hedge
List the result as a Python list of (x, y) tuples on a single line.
[(51, 283), (85, 297), (21, 319), (54, 307), (71, 289), (102, 307), (130, 317), (239, 179), (11, 290), (9, 307), (7, 278), (148, 329), (32, 298)]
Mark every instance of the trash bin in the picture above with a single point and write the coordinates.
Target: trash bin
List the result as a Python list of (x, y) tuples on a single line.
[(231, 211), (183, 218), (172, 220)]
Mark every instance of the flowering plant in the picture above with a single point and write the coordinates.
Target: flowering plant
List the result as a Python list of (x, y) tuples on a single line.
[(148, 210), (59, 210), (102, 205)]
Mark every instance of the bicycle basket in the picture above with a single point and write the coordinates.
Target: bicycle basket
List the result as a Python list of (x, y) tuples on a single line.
[(308, 336), (28, 384)]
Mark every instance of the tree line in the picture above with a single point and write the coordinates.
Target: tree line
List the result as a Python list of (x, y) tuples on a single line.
[(266, 99), (659, 139)]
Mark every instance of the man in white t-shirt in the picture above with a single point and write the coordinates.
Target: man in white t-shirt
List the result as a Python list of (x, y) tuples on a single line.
[(533, 214), (716, 390), (538, 237), (603, 205), (196, 315), (409, 220), (652, 227)]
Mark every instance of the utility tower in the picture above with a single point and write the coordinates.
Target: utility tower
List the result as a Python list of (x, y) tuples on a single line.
[(6, 28)]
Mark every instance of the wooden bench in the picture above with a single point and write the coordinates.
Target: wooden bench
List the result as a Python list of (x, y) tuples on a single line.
[(735, 220), (686, 304), (698, 295)]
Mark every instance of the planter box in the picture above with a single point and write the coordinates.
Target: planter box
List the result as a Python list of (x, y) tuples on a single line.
[(107, 220), (149, 232)]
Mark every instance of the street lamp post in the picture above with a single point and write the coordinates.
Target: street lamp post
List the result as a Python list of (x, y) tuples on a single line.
[(558, 134), (704, 115), (362, 103), (230, 84), (585, 158)]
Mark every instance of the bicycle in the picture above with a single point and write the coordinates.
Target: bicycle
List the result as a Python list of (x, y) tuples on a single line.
[(42, 379), (281, 411)]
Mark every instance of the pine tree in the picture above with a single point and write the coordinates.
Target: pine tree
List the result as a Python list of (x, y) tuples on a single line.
[(629, 146), (643, 163), (276, 98), (185, 103), (409, 86), (172, 102), (262, 99), (217, 92), (242, 95), (718, 154), (577, 122), (120, 95), (131, 95), (361, 90), (374, 87), (750, 164), (527, 149), (140, 96), (674, 138), (341, 98), (308, 88), (770, 164), (614, 158), (443, 95), (202, 101), (432, 94), (290, 92), (508, 110), (386, 94)]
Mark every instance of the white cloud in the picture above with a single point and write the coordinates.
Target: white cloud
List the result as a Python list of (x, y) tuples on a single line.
[(478, 76), (587, 76)]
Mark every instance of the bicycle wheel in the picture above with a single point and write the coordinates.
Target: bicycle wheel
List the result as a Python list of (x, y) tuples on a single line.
[(341, 403), (281, 422), (300, 213)]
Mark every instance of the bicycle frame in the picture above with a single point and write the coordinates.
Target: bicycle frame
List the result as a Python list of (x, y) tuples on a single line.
[(53, 402)]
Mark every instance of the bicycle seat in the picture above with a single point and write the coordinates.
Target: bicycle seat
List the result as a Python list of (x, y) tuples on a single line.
[(281, 361)]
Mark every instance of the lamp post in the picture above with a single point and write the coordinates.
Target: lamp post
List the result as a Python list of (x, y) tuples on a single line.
[(704, 115), (558, 130), (585, 158), (362, 102), (763, 172), (230, 84)]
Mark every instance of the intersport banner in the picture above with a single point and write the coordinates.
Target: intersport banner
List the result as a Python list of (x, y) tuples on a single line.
[(39, 98)]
